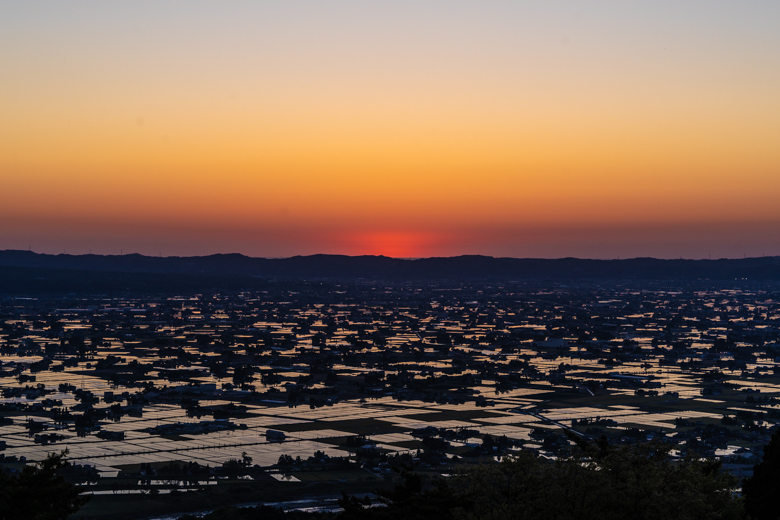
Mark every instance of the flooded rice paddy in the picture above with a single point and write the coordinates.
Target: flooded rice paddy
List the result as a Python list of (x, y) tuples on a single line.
[(128, 385)]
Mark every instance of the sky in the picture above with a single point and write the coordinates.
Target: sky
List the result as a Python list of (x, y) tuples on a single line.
[(405, 128)]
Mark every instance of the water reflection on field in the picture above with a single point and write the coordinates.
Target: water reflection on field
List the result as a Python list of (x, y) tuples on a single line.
[(126, 382)]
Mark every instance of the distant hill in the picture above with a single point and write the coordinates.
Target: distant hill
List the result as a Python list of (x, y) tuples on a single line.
[(338, 267)]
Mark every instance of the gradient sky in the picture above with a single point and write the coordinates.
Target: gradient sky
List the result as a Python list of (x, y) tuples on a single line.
[(505, 128)]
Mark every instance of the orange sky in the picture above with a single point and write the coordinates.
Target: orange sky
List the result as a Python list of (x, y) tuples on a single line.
[(407, 130)]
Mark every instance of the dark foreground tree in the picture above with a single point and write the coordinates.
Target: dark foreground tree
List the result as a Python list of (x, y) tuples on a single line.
[(762, 489), (407, 500), (637, 482), (38, 493), (598, 482)]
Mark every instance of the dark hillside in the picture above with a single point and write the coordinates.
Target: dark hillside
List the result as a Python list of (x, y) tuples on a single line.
[(352, 267)]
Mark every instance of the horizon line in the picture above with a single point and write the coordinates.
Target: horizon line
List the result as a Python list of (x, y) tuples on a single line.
[(615, 259)]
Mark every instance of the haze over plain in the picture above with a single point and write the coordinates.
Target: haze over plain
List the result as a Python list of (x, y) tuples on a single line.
[(597, 129)]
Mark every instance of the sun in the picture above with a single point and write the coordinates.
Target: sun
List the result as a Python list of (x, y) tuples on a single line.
[(395, 244)]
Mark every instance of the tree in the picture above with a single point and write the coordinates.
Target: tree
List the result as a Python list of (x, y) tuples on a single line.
[(39, 493), (760, 490), (638, 482), (406, 500)]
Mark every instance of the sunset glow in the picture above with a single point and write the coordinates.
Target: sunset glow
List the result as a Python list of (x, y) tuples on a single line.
[(499, 128), (393, 244)]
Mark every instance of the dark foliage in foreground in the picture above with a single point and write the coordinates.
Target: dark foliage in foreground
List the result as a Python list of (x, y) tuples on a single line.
[(599, 483), (602, 483), (761, 490), (407, 500), (38, 493), (638, 482)]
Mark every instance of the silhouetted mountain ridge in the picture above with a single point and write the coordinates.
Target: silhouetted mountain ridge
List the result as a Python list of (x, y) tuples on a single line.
[(323, 266)]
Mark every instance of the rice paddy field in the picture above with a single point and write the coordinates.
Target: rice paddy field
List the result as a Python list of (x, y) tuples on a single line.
[(366, 375)]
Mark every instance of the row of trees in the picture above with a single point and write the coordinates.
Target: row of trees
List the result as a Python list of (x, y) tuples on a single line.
[(598, 482), (601, 483)]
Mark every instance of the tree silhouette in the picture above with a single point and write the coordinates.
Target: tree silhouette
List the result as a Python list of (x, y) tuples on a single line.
[(39, 493), (604, 483), (760, 490)]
